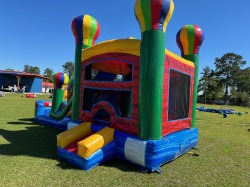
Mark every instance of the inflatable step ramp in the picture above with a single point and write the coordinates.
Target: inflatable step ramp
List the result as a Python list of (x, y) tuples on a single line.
[(72, 135), (88, 151), (93, 143)]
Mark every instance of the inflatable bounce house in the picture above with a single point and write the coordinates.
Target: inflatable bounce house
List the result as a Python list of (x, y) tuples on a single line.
[(131, 99)]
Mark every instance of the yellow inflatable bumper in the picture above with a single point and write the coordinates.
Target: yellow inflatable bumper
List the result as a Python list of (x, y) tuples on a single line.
[(75, 134), (95, 142)]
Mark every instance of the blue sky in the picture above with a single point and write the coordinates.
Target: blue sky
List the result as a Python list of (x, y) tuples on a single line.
[(38, 32)]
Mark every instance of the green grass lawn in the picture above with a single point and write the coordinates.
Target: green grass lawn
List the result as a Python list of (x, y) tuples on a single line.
[(28, 154)]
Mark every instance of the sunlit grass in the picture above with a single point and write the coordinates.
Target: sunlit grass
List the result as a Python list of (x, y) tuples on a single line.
[(28, 154)]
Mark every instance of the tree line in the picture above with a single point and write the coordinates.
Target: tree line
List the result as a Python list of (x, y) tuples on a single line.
[(228, 83), (68, 68)]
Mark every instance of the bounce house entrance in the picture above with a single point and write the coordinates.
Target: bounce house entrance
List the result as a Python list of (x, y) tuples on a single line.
[(102, 116)]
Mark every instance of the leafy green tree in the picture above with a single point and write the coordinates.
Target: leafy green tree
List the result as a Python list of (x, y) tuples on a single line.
[(32, 69), (35, 70), (241, 98), (227, 69), (68, 68), (243, 81), (26, 68), (215, 89), (240, 94), (209, 86), (48, 73), (9, 69), (204, 81)]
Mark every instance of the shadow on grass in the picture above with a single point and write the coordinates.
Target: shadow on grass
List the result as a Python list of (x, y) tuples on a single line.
[(24, 121), (36, 140), (63, 164), (122, 165)]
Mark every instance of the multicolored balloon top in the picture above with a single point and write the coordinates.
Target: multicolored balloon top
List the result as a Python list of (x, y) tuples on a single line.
[(153, 14), (60, 80), (85, 29), (189, 39)]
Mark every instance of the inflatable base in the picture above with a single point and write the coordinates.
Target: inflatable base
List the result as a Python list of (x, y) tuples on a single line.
[(149, 154), (42, 110), (106, 153), (46, 120)]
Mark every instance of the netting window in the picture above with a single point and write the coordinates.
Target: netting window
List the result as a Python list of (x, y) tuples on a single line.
[(179, 95), (110, 81)]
